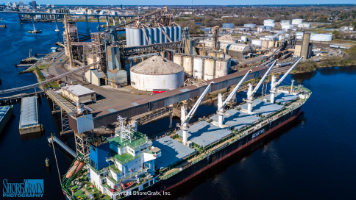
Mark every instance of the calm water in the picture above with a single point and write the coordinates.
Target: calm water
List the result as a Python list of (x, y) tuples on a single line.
[(313, 158)]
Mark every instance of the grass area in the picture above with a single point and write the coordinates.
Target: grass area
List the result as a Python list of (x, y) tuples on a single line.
[(41, 79)]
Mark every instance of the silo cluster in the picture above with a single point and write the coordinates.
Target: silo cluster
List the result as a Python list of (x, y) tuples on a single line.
[(204, 67), (146, 36)]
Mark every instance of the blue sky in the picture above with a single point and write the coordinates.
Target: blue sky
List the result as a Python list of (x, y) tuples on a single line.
[(184, 2)]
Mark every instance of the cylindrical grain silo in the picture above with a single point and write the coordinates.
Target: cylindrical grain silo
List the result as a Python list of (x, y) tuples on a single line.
[(137, 37), (203, 52), (270, 43), (172, 33), (128, 36), (221, 68), (167, 30), (188, 65), (155, 74), (175, 33), (160, 35), (179, 33), (177, 58), (144, 39), (305, 45), (151, 35), (198, 68), (209, 65)]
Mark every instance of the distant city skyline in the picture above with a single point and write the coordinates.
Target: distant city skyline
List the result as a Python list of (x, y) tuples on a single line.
[(184, 2)]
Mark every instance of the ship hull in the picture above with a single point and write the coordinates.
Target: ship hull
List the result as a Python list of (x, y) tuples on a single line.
[(213, 160)]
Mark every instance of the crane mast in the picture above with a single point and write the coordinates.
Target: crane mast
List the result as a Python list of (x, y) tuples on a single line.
[(185, 118), (221, 104), (251, 92), (274, 84)]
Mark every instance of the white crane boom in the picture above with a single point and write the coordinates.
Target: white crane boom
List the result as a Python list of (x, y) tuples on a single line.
[(285, 75), (261, 81), (196, 105), (221, 107)]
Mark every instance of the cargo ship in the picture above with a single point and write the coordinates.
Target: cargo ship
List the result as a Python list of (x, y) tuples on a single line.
[(128, 165), (6, 113)]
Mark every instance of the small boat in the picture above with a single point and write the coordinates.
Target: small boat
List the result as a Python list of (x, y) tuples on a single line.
[(35, 31), (2, 25)]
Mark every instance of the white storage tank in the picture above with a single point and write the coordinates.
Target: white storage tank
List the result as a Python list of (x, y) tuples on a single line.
[(188, 65), (209, 65), (243, 38), (250, 25), (198, 68), (157, 73), (304, 25), (128, 37), (297, 21), (179, 33), (321, 37), (269, 22), (221, 68), (256, 42)]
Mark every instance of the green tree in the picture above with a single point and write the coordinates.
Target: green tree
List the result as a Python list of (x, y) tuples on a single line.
[(336, 34)]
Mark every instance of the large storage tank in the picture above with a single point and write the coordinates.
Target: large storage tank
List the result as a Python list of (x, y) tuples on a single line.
[(198, 68), (188, 65), (157, 73), (250, 25), (243, 38), (137, 34), (297, 21), (268, 28), (209, 65), (128, 36), (177, 59), (321, 37), (269, 22), (285, 22), (256, 42), (221, 68), (228, 25)]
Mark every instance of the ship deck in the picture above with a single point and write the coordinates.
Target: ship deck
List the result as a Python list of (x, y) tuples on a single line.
[(204, 134), (172, 151), (236, 119), (262, 108), (283, 98)]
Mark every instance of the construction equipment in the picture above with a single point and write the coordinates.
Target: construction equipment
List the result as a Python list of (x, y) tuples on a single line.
[(221, 104), (250, 93), (274, 84), (186, 117)]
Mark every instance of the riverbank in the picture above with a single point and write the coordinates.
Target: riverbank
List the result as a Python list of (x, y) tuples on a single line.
[(308, 66)]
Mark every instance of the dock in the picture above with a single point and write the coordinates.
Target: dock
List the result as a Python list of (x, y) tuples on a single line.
[(29, 119), (64, 146)]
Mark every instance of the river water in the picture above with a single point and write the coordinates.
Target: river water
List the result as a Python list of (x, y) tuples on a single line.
[(312, 158)]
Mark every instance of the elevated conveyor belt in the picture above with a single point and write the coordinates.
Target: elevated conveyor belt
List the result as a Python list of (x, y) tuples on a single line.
[(64, 146)]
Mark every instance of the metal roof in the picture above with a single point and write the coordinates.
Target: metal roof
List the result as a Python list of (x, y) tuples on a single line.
[(236, 119), (98, 74), (3, 111), (204, 134), (156, 65), (78, 90), (262, 108), (172, 151), (29, 112)]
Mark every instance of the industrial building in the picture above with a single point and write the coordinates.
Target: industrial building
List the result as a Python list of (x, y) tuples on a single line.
[(78, 93)]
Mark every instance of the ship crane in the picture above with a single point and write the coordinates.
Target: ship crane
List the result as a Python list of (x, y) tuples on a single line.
[(274, 84), (221, 104), (185, 118), (250, 93)]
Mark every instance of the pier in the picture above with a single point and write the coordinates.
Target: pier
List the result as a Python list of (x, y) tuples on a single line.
[(61, 144)]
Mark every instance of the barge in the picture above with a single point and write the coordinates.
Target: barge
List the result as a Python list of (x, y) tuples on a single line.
[(6, 113)]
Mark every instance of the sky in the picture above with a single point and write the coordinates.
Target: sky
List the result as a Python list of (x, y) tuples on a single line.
[(184, 2)]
